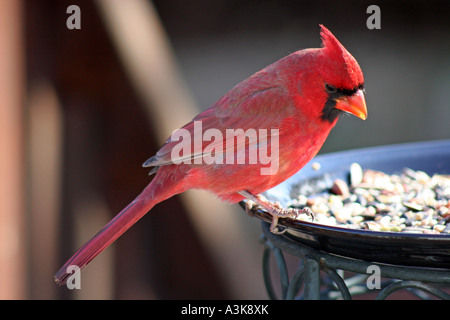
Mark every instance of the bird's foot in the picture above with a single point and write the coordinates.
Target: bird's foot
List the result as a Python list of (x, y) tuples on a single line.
[(285, 213), (276, 211)]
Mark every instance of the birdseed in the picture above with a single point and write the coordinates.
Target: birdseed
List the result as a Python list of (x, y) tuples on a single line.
[(410, 202)]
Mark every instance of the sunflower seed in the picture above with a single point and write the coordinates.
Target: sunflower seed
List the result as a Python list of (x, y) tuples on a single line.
[(340, 187), (356, 174)]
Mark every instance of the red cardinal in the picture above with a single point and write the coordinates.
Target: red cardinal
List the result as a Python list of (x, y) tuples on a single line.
[(293, 104)]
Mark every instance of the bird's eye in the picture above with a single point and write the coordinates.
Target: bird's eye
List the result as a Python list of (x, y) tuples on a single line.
[(330, 88)]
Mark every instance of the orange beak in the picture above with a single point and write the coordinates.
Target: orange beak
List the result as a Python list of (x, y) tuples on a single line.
[(354, 104)]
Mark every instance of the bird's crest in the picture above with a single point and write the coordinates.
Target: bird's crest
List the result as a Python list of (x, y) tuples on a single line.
[(330, 43), (339, 55)]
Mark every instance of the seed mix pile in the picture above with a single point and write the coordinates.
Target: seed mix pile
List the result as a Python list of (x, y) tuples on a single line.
[(411, 201)]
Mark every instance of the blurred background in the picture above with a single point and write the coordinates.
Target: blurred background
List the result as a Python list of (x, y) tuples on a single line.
[(82, 109)]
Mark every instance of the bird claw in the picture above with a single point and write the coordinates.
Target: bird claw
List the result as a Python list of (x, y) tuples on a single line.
[(308, 212), (286, 213), (274, 228), (276, 211)]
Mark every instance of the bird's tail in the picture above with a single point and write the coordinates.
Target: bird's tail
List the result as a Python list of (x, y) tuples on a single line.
[(154, 193)]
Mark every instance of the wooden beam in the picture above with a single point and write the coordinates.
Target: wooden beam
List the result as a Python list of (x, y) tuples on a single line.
[(12, 232)]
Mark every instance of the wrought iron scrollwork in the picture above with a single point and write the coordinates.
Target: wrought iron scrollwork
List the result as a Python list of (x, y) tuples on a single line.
[(321, 276)]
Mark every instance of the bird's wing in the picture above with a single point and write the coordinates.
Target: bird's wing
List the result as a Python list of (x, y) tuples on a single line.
[(226, 129)]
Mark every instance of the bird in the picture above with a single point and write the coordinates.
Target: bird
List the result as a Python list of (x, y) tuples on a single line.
[(287, 108)]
